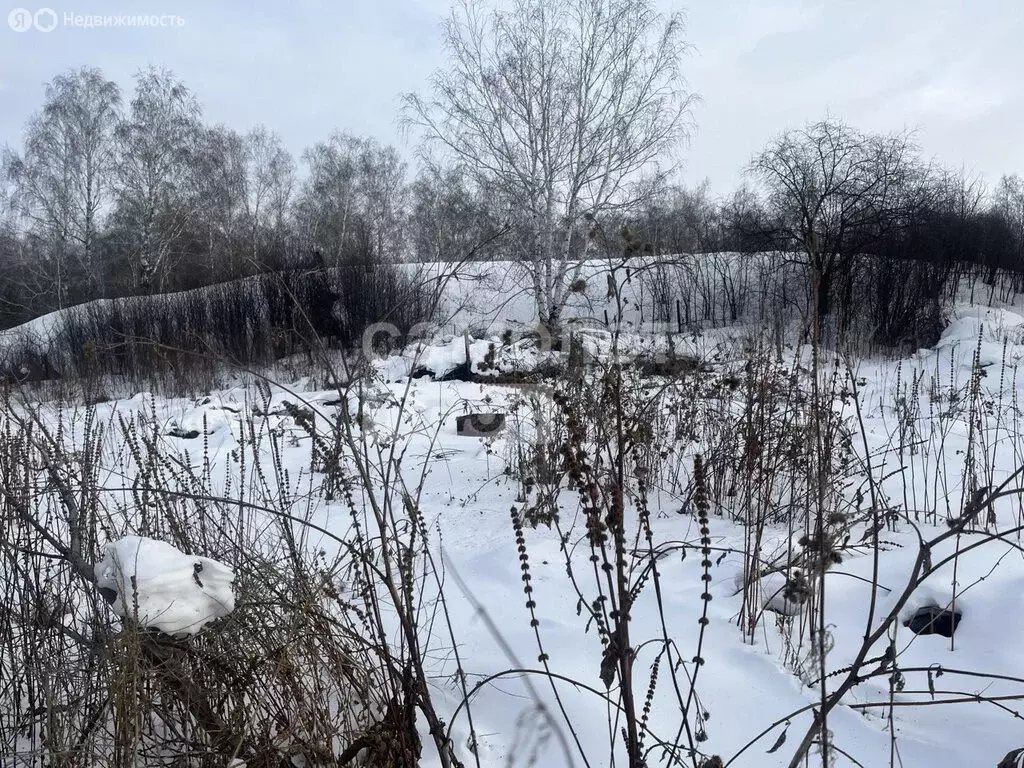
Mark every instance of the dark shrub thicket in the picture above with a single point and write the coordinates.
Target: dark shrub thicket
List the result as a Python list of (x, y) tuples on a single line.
[(898, 289), (884, 302), (899, 302), (245, 322)]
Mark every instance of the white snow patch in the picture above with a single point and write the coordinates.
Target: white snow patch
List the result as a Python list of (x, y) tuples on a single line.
[(175, 593), (772, 593), (992, 323)]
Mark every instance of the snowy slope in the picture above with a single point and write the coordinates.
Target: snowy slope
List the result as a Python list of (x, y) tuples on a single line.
[(749, 691)]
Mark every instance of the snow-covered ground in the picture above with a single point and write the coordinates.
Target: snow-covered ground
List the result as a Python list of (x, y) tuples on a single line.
[(920, 423)]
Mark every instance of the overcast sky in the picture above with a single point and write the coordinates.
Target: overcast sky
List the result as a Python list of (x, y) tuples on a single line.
[(952, 70)]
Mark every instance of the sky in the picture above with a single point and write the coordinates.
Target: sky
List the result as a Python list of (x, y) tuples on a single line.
[(951, 71)]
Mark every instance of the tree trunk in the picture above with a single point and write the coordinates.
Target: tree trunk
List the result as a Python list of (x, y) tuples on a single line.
[(553, 323), (822, 307)]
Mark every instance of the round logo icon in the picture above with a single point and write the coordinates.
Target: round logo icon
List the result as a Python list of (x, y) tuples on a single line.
[(20, 20), (45, 19)]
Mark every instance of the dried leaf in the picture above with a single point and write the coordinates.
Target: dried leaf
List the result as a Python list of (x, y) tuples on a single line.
[(609, 663), (779, 741)]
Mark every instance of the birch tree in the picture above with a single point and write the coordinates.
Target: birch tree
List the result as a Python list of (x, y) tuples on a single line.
[(220, 185), (382, 175), (158, 142), (270, 188), (62, 180), (569, 109), (1008, 203), (351, 206), (448, 218)]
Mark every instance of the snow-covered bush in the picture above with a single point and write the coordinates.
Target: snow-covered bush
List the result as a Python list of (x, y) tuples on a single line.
[(158, 586)]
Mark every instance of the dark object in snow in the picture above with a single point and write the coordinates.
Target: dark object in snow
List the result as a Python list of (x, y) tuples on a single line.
[(460, 372), (932, 620), (190, 434), (1014, 759), (669, 366), (29, 368), (479, 424)]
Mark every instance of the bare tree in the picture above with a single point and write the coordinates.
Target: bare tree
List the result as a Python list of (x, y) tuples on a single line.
[(1008, 203), (681, 220), (13, 304), (567, 108), (833, 192), (382, 176), (62, 179), (743, 222), (326, 203), (157, 144), (448, 216), (351, 206), (219, 174), (270, 189)]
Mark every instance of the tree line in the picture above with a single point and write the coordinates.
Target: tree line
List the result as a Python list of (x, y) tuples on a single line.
[(551, 136), (107, 199), (884, 233)]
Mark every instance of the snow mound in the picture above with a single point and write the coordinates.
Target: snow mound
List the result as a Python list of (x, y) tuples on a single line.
[(204, 419), (774, 595), (992, 324), (175, 593)]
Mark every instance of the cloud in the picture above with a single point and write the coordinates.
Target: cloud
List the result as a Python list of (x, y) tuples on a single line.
[(306, 69), (881, 66)]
